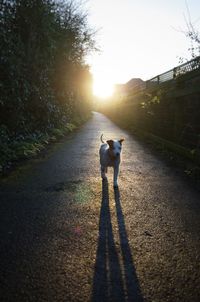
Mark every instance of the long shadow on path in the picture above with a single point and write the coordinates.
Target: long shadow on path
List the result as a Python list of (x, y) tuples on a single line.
[(115, 277)]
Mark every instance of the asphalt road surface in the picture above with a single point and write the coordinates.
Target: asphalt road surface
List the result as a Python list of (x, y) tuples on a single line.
[(66, 236)]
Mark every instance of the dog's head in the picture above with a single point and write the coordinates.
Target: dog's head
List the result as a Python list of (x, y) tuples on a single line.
[(115, 147)]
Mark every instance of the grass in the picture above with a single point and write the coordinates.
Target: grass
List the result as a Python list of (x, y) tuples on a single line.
[(186, 159), (189, 154), (25, 147)]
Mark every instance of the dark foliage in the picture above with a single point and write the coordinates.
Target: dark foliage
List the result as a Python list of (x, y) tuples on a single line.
[(44, 82), (170, 111)]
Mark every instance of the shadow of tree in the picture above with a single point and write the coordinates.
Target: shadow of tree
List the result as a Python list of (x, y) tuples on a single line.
[(115, 277)]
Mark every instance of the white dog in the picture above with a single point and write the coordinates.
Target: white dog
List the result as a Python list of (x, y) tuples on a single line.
[(110, 156)]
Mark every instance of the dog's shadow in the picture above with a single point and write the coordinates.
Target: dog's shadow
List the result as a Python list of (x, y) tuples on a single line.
[(115, 277)]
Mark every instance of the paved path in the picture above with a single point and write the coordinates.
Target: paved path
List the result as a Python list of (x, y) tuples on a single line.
[(65, 236)]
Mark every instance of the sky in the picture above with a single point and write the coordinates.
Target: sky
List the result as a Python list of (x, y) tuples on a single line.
[(137, 38)]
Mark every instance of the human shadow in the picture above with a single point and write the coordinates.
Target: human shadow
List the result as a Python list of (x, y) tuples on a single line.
[(115, 277)]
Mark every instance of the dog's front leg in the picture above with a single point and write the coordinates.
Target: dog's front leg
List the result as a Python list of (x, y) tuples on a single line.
[(103, 172), (116, 172)]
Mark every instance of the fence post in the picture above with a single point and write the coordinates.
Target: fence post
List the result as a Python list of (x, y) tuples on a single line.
[(174, 72)]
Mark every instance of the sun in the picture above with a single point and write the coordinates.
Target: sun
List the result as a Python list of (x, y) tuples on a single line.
[(102, 87)]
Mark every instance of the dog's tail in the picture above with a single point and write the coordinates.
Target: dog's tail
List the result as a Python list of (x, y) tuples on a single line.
[(101, 138)]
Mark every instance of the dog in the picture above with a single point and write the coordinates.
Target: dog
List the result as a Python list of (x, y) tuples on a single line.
[(110, 156)]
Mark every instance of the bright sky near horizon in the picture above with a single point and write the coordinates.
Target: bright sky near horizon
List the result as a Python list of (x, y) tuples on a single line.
[(137, 38)]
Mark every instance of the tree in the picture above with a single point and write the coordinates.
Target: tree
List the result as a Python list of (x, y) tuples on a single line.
[(42, 58), (193, 33)]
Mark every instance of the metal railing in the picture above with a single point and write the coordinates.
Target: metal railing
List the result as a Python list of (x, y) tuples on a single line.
[(175, 72)]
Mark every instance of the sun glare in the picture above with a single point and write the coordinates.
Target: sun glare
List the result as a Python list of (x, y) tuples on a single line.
[(102, 88)]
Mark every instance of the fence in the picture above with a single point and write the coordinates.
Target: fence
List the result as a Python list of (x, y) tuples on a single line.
[(175, 72)]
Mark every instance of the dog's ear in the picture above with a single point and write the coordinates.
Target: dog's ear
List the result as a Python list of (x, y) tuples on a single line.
[(121, 140), (110, 143)]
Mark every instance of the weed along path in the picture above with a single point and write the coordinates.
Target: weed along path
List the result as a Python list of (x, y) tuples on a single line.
[(65, 236)]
